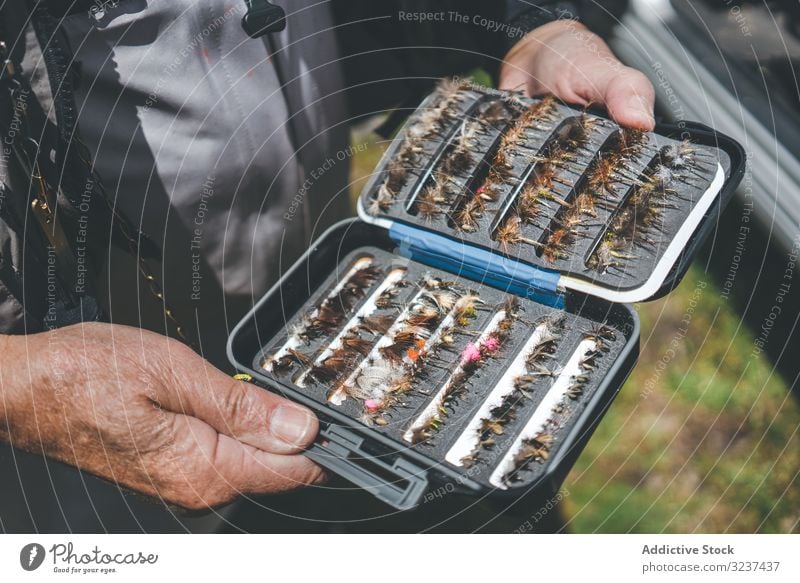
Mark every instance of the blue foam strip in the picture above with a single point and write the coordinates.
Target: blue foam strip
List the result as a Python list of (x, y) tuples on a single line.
[(478, 264)]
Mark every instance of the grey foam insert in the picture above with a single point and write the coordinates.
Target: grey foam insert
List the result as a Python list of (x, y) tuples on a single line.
[(466, 403), (464, 182)]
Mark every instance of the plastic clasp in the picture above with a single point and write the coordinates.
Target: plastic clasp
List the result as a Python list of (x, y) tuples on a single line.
[(395, 481), (263, 17)]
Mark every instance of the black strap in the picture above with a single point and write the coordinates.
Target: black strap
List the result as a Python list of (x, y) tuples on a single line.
[(75, 173), (63, 305), (71, 300), (61, 8)]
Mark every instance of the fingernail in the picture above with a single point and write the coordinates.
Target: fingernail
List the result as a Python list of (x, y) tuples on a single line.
[(291, 425), (641, 105)]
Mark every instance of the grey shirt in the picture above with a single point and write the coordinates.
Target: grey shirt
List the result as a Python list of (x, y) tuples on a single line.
[(215, 145)]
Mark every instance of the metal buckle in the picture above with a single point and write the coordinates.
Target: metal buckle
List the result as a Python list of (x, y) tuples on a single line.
[(9, 70)]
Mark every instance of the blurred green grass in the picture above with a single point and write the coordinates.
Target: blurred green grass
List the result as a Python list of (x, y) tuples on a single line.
[(703, 437), (710, 444)]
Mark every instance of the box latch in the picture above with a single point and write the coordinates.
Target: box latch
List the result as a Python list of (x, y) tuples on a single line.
[(394, 480)]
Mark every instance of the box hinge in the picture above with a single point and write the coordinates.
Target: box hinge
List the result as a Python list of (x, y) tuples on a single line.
[(460, 258)]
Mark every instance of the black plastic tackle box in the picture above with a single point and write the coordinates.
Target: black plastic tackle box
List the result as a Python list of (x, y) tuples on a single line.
[(472, 326)]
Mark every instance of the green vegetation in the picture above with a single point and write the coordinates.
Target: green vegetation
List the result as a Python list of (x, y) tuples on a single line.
[(709, 444)]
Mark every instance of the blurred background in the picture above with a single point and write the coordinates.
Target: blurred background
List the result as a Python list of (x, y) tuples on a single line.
[(703, 437)]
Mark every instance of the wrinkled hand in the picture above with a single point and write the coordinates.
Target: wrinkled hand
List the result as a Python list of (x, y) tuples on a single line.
[(148, 413), (566, 59)]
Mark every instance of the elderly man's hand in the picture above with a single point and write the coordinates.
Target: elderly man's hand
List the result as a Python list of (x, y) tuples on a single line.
[(148, 413), (566, 59)]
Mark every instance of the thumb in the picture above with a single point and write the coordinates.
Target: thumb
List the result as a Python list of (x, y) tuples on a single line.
[(629, 97), (515, 79), (240, 410)]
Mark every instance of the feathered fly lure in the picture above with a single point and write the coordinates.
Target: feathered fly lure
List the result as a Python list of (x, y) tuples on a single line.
[(433, 199), (459, 160), (530, 365), (431, 121), (379, 366), (534, 442), (348, 347), (508, 234), (327, 317), (474, 355), (533, 200), (466, 218), (494, 425), (612, 168), (333, 310), (565, 229), (497, 114), (403, 340), (599, 337), (561, 152), (333, 367), (355, 288), (514, 141), (684, 156), (376, 324), (638, 222), (536, 359), (536, 448), (436, 315), (550, 165), (392, 395), (602, 335), (292, 357), (537, 117), (459, 157), (578, 131), (426, 125), (381, 201), (353, 343)]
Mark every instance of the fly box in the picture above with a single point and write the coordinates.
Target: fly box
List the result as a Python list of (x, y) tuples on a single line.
[(471, 327)]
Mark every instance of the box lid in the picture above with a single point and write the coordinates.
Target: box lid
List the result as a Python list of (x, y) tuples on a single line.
[(552, 198)]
